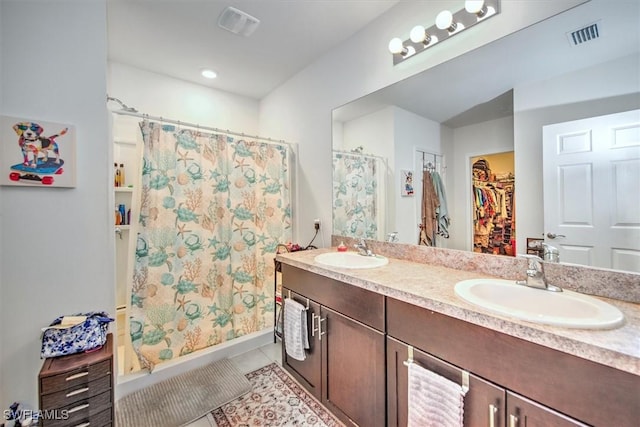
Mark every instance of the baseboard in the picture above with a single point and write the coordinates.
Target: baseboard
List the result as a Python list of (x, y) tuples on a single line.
[(127, 384)]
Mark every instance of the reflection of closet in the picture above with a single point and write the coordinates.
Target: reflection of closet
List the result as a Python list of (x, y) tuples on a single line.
[(493, 204)]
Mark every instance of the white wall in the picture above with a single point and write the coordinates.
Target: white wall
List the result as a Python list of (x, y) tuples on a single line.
[(570, 97), (494, 136), (57, 244), (163, 96), (300, 109), (410, 132)]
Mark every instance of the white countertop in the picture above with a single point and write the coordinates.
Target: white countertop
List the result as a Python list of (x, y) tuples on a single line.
[(432, 287)]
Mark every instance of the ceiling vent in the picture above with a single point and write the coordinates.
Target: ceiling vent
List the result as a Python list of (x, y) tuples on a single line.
[(587, 33), (238, 22)]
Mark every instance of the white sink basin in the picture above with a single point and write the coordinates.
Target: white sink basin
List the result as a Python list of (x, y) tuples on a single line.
[(351, 260), (567, 309)]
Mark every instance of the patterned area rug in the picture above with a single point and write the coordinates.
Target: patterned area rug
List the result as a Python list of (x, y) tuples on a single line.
[(276, 400)]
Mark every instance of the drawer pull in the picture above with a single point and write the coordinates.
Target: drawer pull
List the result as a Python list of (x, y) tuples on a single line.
[(87, 424), (513, 420), (320, 333), (313, 324), (492, 415), (78, 375), (78, 391), (78, 408)]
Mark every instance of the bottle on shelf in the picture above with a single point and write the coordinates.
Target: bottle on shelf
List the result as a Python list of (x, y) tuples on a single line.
[(121, 170), (118, 218), (123, 214), (116, 175)]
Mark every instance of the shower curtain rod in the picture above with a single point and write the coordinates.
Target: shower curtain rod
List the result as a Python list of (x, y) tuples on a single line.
[(197, 126), (360, 154)]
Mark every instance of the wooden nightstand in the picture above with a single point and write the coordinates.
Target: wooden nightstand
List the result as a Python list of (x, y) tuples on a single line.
[(77, 390)]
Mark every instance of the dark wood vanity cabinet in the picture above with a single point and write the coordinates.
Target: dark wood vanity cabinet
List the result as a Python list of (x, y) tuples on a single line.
[(485, 404), (531, 385), (345, 366)]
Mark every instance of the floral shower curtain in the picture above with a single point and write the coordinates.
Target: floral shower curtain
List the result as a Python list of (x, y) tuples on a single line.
[(358, 209), (212, 211)]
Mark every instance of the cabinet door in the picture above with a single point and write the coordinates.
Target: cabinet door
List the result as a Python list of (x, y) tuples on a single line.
[(353, 370), (307, 372), (522, 412), (484, 403)]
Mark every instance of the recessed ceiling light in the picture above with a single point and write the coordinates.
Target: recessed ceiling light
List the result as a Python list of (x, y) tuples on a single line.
[(210, 74)]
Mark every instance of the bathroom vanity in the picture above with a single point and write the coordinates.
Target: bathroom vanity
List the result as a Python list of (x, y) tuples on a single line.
[(366, 322)]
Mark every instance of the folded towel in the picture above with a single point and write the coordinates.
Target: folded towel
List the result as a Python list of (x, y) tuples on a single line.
[(434, 401), (296, 338)]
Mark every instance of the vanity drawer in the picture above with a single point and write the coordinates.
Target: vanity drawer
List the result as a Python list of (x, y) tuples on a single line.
[(360, 304), (75, 414), (77, 390), (76, 377), (74, 394)]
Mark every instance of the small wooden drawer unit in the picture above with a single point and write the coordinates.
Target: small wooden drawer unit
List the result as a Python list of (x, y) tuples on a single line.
[(77, 390)]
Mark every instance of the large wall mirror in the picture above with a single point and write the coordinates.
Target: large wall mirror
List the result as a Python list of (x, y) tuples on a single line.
[(498, 98)]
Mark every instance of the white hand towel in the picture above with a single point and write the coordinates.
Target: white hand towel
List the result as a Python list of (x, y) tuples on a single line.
[(296, 338), (434, 401)]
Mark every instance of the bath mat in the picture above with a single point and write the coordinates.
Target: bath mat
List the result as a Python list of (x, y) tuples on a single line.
[(276, 400), (184, 398)]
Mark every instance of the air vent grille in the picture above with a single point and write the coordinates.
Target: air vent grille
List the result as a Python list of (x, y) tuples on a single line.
[(584, 34), (238, 22)]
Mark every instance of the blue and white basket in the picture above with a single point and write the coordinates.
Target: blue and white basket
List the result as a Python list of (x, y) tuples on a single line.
[(88, 335)]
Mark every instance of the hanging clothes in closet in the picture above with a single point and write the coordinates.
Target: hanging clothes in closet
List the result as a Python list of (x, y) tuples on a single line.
[(494, 224)]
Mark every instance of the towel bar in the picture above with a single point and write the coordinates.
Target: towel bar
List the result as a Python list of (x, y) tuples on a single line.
[(289, 296), (465, 374)]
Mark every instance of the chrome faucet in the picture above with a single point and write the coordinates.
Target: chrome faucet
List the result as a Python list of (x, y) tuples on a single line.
[(550, 253), (535, 275), (363, 249), (392, 237)]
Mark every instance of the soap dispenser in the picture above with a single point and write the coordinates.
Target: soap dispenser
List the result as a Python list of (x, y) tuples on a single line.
[(342, 247)]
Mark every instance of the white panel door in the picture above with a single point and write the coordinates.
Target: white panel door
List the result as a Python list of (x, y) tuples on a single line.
[(592, 190)]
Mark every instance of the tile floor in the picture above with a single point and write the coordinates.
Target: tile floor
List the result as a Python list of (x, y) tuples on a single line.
[(247, 362)]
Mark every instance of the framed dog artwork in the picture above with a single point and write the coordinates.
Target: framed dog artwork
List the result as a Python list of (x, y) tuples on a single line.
[(37, 153)]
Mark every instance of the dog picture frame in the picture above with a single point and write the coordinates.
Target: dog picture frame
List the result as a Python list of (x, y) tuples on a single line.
[(37, 153), (406, 183)]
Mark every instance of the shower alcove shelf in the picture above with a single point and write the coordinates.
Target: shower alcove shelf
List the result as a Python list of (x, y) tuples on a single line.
[(127, 146)]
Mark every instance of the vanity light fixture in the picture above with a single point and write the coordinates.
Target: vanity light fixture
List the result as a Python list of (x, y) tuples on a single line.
[(396, 47), (444, 21), (477, 7), (419, 35), (447, 24)]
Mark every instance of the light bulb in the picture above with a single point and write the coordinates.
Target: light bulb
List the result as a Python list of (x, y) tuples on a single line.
[(419, 35), (396, 46), (210, 74), (444, 21), (475, 6)]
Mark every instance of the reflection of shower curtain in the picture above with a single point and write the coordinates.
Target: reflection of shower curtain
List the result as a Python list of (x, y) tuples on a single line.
[(212, 210), (358, 207)]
